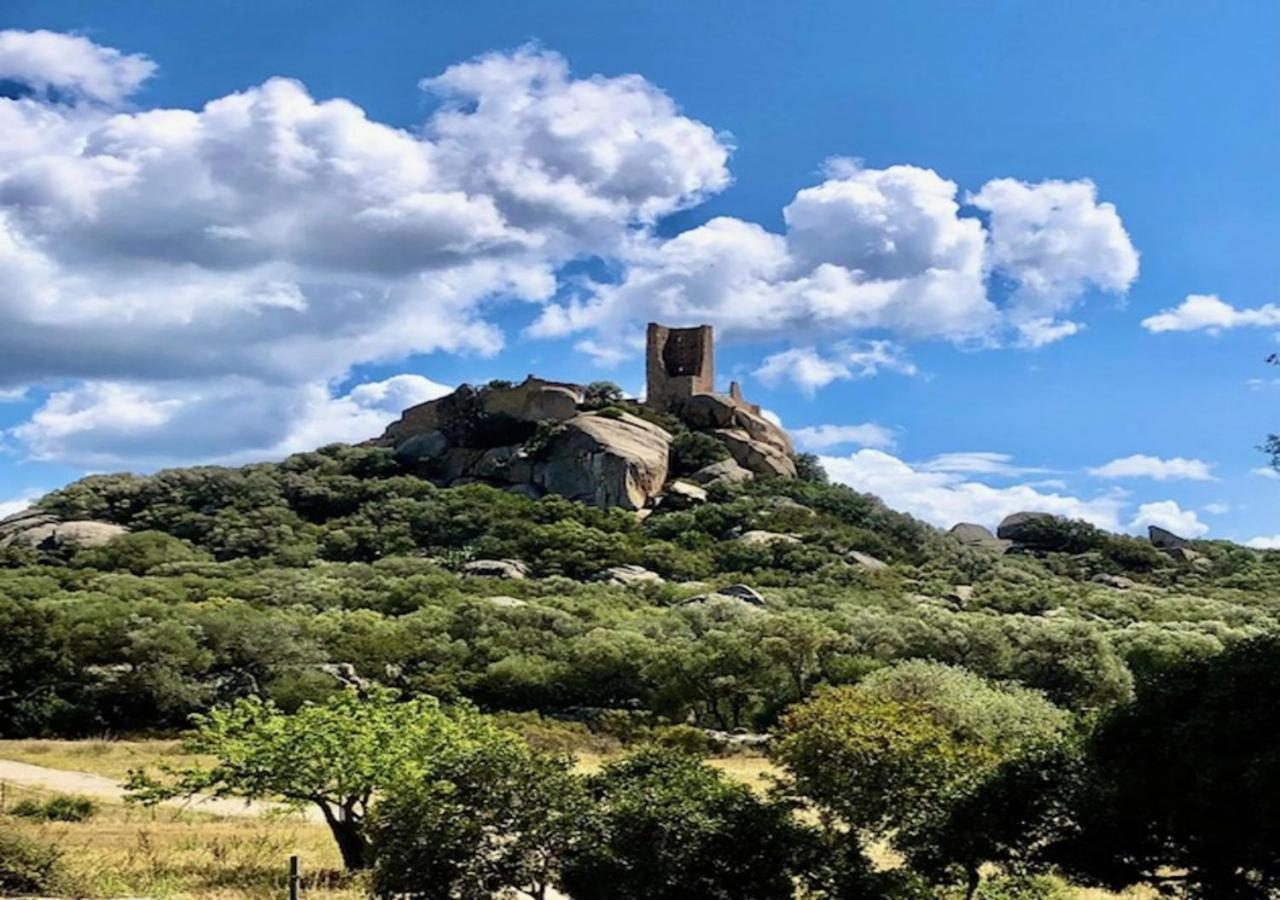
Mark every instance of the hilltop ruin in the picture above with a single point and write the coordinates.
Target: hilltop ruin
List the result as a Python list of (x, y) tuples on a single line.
[(543, 436)]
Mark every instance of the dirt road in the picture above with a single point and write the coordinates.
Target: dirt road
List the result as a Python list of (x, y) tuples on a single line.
[(101, 788)]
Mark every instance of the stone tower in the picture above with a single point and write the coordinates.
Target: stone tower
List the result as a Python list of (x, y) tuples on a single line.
[(679, 363)]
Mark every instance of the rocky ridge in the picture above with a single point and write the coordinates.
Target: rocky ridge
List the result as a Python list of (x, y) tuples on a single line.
[(545, 437)]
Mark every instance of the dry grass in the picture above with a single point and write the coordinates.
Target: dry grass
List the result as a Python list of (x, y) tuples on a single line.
[(109, 758), (125, 851)]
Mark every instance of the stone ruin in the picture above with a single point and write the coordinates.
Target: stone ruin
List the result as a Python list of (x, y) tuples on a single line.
[(541, 436)]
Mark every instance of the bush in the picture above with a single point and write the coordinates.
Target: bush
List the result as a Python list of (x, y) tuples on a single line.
[(62, 808), (691, 450), (669, 827), (27, 867)]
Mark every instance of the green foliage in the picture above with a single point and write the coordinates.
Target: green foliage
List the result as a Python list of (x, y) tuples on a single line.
[(599, 394), (809, 468), (28, 867), (1183, 784), (479, 819), (691, 450), (668, 827), (62, 808), (336, 755)]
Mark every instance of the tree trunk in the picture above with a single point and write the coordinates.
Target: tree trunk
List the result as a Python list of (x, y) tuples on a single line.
[(348, 834), (973, 879)]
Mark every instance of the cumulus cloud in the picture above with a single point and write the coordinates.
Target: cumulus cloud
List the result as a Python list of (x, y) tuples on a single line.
[(945, 498), (1169, 515), (1264, 542), (53, 64), (808, 369), (828, 437), (1206, 312), (1265, 472), (875, 249), (1141, 466), (259, 247), (114, 424)]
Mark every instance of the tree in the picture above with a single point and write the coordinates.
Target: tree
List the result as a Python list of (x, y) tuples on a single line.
[(1183, 786), (36, 667), (484, 817), (336, 755), (669, 827), (945, 765)]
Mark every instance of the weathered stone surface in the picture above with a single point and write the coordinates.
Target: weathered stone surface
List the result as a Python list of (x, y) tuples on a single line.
[(1019, 525), (606, 461), (1165, 539), (52, 534), (716, 411), (496, 568), (1187, 555), (960, 594), (727, 471), (1118, 582), (504, 602), (21, 522), (973, 535), (629, 574), (764, 538), (742, 592), (683, 495), (867, 561), (425, 446), (533, 400), (758, 456)]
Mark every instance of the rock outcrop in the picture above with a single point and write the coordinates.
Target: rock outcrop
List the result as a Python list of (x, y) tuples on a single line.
[(38, 529), (979, 536), (548, 437), (1020, 527), (1165, 539)]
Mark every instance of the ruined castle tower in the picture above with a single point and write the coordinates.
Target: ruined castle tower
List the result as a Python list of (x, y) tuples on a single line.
[(679, 363)]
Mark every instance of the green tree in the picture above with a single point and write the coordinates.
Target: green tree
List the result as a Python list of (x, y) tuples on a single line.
[(336, 755), (669, 827), (1183, 787), (483, 818)]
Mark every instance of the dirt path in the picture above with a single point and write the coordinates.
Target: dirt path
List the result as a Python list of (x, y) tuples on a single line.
[(102, 788)]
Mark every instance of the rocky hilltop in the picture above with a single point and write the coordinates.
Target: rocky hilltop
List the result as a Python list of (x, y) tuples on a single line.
[(589, 443)]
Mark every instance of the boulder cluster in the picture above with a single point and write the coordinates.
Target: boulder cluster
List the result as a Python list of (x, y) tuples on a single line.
[(1022, 531), (544, 437), (39, 530)]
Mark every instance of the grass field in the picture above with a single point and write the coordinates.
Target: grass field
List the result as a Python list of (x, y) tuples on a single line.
[(126, 851)]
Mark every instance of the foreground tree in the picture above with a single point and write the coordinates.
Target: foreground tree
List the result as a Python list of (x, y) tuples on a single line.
[(1183, 788), (485, 818), (949, 768), (669, 827), (336, 755)]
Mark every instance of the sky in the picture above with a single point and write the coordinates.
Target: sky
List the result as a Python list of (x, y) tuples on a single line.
[(980, 257)]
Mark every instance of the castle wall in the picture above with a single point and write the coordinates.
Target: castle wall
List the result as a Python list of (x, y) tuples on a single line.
[(679, 362)]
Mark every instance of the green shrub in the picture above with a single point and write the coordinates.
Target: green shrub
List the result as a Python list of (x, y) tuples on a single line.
[(62, 808), (691, 450), (27, 867), (1022, 888)]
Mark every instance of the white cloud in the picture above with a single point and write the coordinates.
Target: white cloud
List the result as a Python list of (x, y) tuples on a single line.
[(1055, 240), (945, 498), (258, 248), (1206, 312), (809, 370), (1141, 466), (1264, 542), (1265, 472), (1217, 509), (18, 503), (1168, 515), (827, 437), (977, 463), (49, 62), (113, 424)]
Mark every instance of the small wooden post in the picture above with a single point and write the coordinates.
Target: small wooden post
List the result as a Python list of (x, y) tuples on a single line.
[(295, 878)]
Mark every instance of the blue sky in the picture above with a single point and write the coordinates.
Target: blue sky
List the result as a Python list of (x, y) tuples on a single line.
[(551, 211)]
